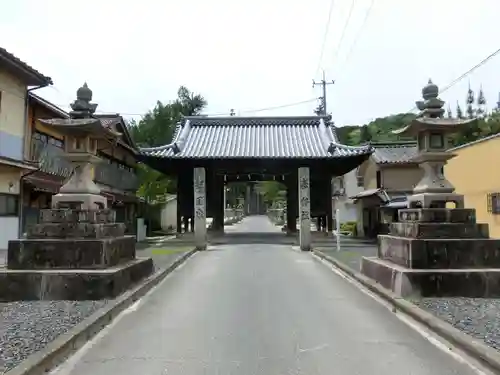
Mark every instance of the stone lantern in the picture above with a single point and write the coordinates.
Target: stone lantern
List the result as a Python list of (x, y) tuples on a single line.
[(77, 251), (82, 133), (434, 250), (433, 131)]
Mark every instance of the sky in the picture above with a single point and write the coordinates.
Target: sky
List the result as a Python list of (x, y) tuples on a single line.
[(253, 55)]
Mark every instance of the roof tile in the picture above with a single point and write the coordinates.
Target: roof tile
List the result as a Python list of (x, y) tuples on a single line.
[(395, 153), (256, 137), (14, 60)]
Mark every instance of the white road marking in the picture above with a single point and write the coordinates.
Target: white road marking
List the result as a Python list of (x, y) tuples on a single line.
[(67, 367), (316, 348), (434, 339)]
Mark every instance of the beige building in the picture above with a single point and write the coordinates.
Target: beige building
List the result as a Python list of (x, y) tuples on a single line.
[(17, 79), (387, 177)]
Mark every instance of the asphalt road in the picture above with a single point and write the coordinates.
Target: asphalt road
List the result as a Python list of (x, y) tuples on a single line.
[(259, 310)]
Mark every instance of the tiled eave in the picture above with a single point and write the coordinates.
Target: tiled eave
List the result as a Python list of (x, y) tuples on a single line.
[(305, 137), (30, 75)]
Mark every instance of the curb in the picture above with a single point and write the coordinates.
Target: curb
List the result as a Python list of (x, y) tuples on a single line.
[(67, 343), (473, 347)]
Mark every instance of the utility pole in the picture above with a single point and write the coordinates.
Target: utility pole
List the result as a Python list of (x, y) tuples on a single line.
[(322, 107)]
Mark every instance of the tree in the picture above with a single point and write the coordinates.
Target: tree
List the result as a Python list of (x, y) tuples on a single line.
[(157, 128), (271, 191), (365, 135)]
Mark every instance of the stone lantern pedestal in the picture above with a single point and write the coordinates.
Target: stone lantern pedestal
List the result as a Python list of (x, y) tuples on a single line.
[(77, 251), (435, 250)]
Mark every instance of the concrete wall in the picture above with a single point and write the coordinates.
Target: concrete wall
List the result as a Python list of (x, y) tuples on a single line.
[(9, 184), (12, 116), (401, 178), (347, 208), (472, 174), (169, 214)]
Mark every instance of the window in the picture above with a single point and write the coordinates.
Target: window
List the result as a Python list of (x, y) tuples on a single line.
[(9, 205), (360, 180), (493, 202), (436, 141), (379, 179)]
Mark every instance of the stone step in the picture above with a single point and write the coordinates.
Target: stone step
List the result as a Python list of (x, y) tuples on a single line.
[(75, 230), (440, 253), (472, 283), (29, 254), (72, 284), (439, 230), (438, 215)]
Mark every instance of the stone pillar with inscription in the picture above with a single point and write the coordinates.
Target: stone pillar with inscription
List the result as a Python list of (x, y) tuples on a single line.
[(304, 209), (200, 216)]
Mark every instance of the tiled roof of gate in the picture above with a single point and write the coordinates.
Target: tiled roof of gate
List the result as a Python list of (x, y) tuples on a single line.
[(255, 137), (394, 152)]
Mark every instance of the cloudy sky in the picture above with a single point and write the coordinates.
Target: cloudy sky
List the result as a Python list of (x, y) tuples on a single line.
[(251, 55)]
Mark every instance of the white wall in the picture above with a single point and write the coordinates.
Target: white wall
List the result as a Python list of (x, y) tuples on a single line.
[(347, 208), (169, 214), (10, 227)]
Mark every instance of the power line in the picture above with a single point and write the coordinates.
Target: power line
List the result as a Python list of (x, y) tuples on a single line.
[(325, 35), (358, 34), (274, 107), (64, 107), (462, 76), (343, 32)]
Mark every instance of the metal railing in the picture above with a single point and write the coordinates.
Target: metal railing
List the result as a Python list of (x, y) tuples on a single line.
[(51, 158), (112, 175)]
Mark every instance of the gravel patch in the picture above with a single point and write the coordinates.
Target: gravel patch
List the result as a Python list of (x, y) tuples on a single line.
[(479, 317), (28, 326)]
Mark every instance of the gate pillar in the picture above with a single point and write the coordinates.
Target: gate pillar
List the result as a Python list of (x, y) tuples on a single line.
[(304, 209)]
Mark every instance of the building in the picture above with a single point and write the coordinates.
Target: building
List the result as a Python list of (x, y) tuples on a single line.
[(386, 178), (479, 185), (343, 188), (116, 176), (209, 152), (17, 80)]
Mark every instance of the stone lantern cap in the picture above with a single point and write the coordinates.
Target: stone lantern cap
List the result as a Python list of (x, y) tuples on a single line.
[(431, 114), (81, 122)]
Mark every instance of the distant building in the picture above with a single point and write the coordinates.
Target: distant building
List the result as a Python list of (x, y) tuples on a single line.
[(385, 179), (344, 187), (16, 78), (479, 185)]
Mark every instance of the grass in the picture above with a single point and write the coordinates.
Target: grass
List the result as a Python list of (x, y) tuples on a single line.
[(171, 250)]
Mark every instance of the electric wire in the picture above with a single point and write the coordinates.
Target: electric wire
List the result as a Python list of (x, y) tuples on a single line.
[(325, 35), (358, 34), (342, 35), (462, 76)]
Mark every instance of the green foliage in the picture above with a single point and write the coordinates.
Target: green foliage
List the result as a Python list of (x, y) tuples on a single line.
[(348, 227), (156, 128), (483, 128), (272, 191), (378, 130)]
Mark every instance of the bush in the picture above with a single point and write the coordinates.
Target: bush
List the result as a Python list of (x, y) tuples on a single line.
[(349, 227)]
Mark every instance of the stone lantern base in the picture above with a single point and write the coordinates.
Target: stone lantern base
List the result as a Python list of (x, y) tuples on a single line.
[(437, 252), (73, 254)]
